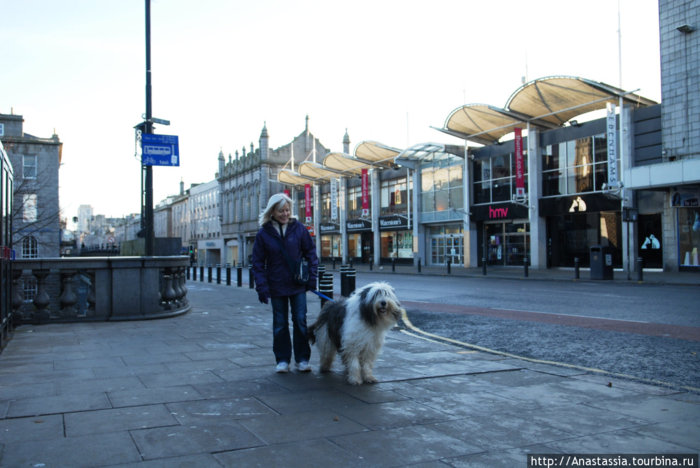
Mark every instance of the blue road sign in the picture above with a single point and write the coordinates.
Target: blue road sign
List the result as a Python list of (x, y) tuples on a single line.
[(160, 150)]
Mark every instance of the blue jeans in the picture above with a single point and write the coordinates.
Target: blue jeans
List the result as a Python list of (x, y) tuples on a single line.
[(281, 343)]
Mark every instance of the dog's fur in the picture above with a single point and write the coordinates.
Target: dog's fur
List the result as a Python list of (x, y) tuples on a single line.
[(355, 328)]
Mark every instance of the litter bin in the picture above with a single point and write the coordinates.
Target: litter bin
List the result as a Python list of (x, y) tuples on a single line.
[(601, 263)]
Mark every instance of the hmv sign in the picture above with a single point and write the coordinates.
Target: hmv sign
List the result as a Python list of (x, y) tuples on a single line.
[(498, 212)]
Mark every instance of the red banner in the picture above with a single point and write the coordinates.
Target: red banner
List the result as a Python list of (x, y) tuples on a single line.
[(519, 165), (286, 192), (365, 193), (307, 203)]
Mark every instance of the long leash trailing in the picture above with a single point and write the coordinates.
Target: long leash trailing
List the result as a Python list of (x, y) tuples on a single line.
[(322, 296)]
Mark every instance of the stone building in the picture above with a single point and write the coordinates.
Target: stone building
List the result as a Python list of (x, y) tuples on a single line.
[(35, 213)]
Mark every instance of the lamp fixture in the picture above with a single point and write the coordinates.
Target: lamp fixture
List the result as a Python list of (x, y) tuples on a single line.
[(685, 28)]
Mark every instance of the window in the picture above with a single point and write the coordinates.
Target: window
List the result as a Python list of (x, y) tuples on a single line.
[(30, 247), (441, 183), (29, 288), (29, 212), (354, 202), (29, 167), (394, 198), (577, 166), (494, 179)]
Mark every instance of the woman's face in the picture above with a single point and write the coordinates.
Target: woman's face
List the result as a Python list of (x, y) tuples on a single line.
[(281, 213)]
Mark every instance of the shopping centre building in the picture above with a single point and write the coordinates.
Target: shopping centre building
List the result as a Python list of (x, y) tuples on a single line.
[(567, 165)]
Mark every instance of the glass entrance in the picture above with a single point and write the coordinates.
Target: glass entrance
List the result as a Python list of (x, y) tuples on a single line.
[(446, 243), (506, 243)]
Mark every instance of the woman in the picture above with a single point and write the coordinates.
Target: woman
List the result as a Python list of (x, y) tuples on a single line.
[(274, 279)]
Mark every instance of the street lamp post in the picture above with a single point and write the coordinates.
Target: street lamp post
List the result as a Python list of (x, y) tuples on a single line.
[(147, 170)]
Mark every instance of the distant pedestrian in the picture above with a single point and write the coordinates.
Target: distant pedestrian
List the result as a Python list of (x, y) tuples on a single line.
[(274, 278)]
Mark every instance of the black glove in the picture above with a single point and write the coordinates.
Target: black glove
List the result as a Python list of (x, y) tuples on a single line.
[(311, 286), (263, 297)]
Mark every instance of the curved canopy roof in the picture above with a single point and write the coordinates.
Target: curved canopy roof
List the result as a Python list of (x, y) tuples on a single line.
[(558, 99), (317, 171), (376, 153), (344, 163), (546, 102), (428, 152), (287, 176)]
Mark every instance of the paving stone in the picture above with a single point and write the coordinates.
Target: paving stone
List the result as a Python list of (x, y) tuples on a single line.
[(314, 453), (404, 446), (149, 396), (58, 404), (35, 428), (119, 419), (204, 412), (174, 441), (301, 427), (85, 451)]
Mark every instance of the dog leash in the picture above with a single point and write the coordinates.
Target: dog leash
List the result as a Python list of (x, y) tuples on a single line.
[(322, 296)]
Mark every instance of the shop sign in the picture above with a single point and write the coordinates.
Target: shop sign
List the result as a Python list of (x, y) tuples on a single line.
[(329, 227), (358, 225), (393, 222), (591, 203), (502, 211)]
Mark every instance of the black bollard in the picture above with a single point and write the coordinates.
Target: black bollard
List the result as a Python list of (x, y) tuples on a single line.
[(640, 269), (334, 263), (344, 280), (483, 265), (449, 267), (251, 278), (209, 274), (194, 273), (577, 270), (228, 274), (201, 273), (525, 266), (319, 274), (393, 265), (239, 275), (188, 273), (419, 266), (326, 287), (370, 265), (218, 273), (352, 275)]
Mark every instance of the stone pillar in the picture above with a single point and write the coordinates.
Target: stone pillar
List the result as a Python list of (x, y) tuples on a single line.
[(374, 212), (538, 226), (343, 197)]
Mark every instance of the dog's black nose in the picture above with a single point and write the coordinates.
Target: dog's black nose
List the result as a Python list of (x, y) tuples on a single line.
[(382, 303)]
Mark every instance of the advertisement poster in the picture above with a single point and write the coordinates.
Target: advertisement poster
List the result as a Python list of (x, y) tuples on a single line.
[(519, 166), (365, 193), (307, 203)]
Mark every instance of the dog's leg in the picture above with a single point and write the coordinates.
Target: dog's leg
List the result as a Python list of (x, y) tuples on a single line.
[(367, 374), (352, 363), (327, 357)]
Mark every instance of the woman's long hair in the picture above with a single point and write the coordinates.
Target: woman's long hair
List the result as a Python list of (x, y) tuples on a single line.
[(274, 202)]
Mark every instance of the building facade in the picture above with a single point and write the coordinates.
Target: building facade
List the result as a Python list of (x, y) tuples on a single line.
[(35, 215)]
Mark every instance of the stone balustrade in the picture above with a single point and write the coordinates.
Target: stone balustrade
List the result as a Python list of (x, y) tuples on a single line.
[(98, 289)]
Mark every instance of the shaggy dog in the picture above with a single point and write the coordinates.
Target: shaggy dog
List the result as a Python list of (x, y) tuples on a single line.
[(355, 328)]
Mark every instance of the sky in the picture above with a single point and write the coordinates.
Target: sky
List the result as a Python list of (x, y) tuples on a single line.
[(384, 70)]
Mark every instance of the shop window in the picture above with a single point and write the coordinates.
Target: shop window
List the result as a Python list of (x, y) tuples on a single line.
[(394, 197), (689, 236), (441, 183)]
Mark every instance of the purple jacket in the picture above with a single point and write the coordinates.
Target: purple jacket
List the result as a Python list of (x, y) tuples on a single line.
[(271, 270)]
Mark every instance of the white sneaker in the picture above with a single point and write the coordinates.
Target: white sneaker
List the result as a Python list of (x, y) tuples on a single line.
[(282, 367), (304, 366)]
